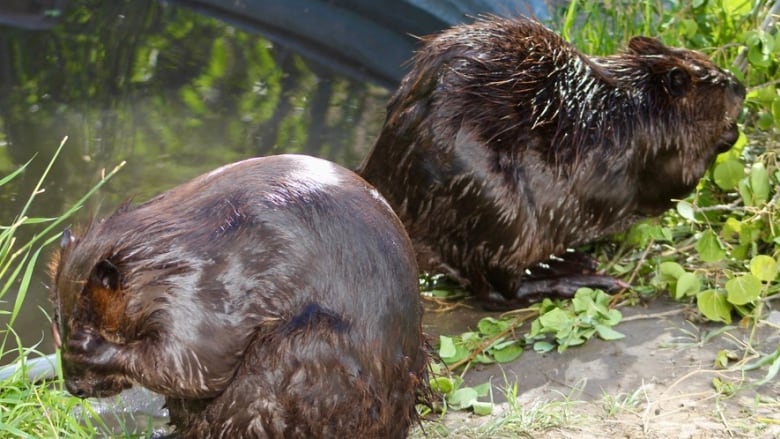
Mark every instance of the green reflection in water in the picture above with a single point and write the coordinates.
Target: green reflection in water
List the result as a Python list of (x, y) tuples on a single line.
[(172, 92)]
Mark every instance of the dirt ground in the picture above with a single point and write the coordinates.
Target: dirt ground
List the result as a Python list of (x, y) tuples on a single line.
[(657, 382)]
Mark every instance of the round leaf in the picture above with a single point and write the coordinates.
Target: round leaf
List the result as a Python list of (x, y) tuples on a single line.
[(442, 385), (543, 347), (710, 248), (759, 182), (687, 285), (670, 271), (728, 174), (685, 209), (482, 408), (607, 333), (462, 398), (491, 326), (764, 268), (446, 347), (714, 306), (508, 353), (556, 320), (743, 289)]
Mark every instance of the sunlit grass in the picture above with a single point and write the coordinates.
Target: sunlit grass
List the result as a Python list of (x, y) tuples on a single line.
[(35, 408)]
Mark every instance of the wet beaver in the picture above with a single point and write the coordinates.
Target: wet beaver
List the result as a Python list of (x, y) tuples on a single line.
[(504, 145), (274, 297)]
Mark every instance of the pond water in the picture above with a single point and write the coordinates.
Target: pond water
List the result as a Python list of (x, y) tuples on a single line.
[(172, 92), (175, 92)]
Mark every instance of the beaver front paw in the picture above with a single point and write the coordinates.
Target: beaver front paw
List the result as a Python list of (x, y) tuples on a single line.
[(88, 348)]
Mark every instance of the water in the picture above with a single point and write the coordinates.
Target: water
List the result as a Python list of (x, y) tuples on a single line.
[(172, 92)]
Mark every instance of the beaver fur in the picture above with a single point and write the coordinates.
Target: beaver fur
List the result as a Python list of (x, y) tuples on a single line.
[(274, 297), (505, 145)]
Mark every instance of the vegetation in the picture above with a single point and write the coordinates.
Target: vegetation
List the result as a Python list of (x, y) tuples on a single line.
[(717, 252), (35, 409), (719, 249)]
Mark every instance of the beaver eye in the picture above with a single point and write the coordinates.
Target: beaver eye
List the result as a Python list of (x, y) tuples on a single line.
[(678, 81)]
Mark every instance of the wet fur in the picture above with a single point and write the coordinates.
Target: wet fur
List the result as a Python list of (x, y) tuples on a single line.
[(274, 297), (505, 145)]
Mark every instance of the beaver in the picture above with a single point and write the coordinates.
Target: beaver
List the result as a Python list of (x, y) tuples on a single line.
[(273, 297), (504, 145)]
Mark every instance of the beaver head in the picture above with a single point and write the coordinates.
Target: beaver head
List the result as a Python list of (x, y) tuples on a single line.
[(86, 308)]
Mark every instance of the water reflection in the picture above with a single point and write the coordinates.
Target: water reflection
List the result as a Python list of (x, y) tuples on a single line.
[(172, 92)]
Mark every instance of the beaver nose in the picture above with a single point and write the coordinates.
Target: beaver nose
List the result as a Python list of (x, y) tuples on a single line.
[(75, 388)]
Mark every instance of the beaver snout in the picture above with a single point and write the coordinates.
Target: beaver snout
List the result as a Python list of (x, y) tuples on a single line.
[(83, 383), (90, 387), (728, 138), (76, 388)]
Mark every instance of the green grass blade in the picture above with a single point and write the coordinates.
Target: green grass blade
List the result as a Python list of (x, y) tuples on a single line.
[(25, 284), (13, 175), (569, 19)]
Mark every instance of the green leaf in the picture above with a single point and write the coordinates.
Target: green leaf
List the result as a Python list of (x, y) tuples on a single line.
[(728, 174), (685, 209), (759, 183), (607, 333), (687, 285), (745, 192), (556, 320), (440, 293), (442, 385), (722, 359), (731, 227), (764, 268), (743, 289), (509, 353), (490, 326), (483, 389), (582, 302), (709, 247), (446, 347), (482, 408), (543, 347), (714, 306), (723, 387), (736, 7), (462, 398), (612, 318), (484, 359), (670, 271)]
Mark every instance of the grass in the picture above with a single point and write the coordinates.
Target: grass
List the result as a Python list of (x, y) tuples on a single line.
[(36, 409)]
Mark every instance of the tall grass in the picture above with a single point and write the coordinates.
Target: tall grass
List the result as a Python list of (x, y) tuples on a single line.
[(35, 409)]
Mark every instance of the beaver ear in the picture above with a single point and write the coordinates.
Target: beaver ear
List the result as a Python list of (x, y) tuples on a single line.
[(642, 45), (105, 275)]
